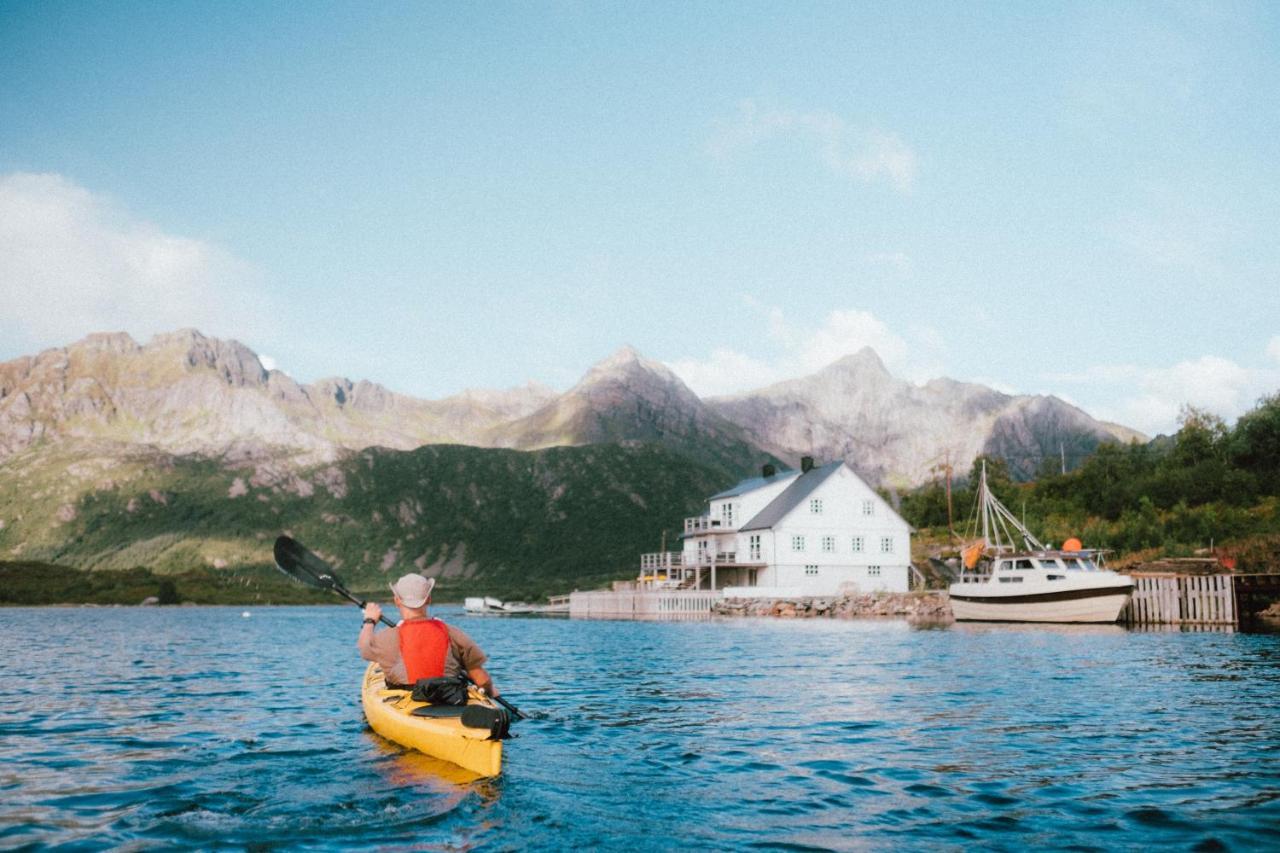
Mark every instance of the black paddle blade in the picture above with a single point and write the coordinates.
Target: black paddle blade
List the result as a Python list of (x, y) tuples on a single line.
[(300, 564)]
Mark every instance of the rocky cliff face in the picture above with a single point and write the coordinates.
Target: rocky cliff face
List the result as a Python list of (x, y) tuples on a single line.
[(894, 432), (188, 393), (628, 398)]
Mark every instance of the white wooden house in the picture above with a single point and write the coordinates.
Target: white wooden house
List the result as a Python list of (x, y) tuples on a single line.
[(816, 531)]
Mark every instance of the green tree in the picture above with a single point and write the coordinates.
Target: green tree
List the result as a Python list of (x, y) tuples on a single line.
[(1255, 444)]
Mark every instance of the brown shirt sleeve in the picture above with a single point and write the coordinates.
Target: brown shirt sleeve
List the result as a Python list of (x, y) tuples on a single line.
[(469, 654), (384, 650)]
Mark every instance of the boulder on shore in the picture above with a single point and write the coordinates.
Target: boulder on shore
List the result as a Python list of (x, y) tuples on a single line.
[(929, 605)]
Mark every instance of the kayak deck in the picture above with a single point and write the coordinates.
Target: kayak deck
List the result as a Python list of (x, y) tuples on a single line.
[(390, 714)]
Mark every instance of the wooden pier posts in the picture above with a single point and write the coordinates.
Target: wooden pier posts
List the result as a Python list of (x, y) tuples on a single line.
[(1172, 599)]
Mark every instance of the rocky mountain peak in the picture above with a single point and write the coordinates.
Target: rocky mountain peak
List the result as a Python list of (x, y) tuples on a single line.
[(865, 361), (234, 362), (108, 342), (628, 366)]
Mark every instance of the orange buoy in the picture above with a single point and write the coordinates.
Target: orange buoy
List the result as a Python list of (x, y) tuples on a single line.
[(1073, 544)]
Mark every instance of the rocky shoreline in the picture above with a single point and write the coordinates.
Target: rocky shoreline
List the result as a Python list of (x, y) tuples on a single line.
[(931, 605)]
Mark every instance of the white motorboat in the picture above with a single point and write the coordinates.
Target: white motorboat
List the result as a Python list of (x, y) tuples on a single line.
[(1036, 583), (487, 604)]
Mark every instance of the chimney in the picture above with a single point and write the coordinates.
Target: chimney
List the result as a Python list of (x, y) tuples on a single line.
[(768, 471), (806, 464)]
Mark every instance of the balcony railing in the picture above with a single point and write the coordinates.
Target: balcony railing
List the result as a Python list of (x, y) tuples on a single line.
[(705, 524), (661, 561)]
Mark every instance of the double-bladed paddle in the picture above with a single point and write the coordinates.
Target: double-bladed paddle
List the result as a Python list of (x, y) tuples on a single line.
[(302, 565)]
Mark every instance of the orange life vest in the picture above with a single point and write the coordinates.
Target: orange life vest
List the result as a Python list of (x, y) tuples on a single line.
[(424, 645)]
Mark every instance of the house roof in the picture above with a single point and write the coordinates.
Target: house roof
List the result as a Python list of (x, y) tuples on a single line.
[(752, 484), (791, 497)]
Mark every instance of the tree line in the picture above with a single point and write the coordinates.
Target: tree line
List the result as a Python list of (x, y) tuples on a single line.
[(1206, 484)]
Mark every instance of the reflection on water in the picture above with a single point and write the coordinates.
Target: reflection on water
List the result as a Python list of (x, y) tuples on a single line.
[(194, 727)]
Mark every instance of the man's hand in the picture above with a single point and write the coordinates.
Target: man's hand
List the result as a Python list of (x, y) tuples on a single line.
[(372, 611), (482, 680)]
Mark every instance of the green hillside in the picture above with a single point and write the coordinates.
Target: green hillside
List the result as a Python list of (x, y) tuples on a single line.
[(503, 522)]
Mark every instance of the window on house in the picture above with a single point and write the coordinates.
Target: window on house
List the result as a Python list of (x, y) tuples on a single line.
[(815, 506), (868, 507), (886, 544), (797, 543), (811, 570), (858, 544), (829, 544), (753, 547), (726, 514), (873, 571)]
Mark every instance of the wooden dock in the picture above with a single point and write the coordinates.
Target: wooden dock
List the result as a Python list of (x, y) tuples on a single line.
[(643, 604), (1163, 598)]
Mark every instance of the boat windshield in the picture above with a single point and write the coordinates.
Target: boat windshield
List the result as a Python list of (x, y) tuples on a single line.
[(1080, 564), (1049, 563)]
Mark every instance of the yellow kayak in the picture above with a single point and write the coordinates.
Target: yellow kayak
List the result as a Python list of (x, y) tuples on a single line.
[(391, 713)]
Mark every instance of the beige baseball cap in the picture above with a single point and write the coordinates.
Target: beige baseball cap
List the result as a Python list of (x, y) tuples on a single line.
[(413, 590)]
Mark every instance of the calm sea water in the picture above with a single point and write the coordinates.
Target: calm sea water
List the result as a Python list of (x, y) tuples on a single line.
[(197, 727)]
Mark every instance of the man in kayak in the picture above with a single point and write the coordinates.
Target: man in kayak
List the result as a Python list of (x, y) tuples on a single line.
[(420, 647)]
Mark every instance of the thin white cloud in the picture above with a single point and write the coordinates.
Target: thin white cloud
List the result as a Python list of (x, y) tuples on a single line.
[(804, 349), (864, 155), (1150, 398), (73, 262)]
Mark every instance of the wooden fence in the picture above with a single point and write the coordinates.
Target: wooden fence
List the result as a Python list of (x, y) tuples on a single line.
[(637, 604), (1171, 599)]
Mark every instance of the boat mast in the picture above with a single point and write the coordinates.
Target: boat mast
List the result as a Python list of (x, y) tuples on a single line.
[(996, 519)]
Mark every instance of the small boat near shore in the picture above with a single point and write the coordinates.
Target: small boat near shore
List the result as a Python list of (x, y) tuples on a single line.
[(488, 606), (1034, 584)]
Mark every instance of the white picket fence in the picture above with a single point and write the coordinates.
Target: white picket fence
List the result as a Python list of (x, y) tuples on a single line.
[(1168, 599), (637, 604)]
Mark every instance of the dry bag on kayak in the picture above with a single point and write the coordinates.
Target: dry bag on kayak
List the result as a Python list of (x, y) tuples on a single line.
[(440, 691)]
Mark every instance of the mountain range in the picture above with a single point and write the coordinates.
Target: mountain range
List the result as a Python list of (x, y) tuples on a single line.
[(185, 393)]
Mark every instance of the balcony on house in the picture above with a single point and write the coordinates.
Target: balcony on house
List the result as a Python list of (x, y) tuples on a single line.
[(675, 570), (706, 524)]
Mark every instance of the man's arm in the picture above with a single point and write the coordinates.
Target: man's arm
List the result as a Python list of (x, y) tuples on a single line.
[(483, 680), (365, 641), (472, 659)]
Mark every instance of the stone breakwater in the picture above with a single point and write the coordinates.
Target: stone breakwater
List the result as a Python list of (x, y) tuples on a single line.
[(915, 605)]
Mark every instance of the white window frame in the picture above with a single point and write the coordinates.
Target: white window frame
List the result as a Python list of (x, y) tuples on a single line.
[(873, 571), (886, 544), (868, 508), (815, 506), (753, 546), (859, 543), (797, 542), (828, 544), (811, 570)]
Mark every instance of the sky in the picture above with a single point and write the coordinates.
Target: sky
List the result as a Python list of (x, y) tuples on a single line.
[(1076, 199)]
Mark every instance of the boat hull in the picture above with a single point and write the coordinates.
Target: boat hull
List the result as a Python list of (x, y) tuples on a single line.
[(389, 713), (1079, 605)]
